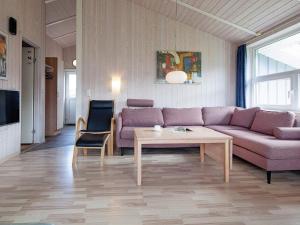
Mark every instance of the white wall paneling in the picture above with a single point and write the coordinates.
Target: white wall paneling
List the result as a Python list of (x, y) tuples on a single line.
[(69, 56), (31, 27), (33, 31), (9, 141), (121, 38), (79, 44)]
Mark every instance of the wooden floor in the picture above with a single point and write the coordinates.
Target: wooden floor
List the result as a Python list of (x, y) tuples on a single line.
[(40, 186)]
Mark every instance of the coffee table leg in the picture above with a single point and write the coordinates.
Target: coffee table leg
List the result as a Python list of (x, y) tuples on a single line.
[(226, 161), (139, 163), (202, 152), (135, 149)]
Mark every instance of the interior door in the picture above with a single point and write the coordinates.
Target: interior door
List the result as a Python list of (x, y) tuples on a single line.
[(70, 112), (27, 126)]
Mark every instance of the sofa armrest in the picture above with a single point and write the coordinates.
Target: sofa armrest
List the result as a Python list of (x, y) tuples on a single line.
[(119, 126), (287, 133)]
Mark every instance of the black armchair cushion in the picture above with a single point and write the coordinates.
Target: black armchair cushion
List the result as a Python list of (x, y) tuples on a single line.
[(91, 140), (93, 131), (100, 114)]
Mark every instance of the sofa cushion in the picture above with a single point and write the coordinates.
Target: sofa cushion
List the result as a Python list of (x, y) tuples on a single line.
[(217, 115), (287, 133), (243, 117), (140, 102), (265, 121), (146, 117), (91, 140), (222, 128), (265, 145), (182, 116)]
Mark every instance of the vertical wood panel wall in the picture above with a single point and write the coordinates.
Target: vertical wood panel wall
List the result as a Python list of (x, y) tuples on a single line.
[(31, 26), (69, 55), (121, 38)]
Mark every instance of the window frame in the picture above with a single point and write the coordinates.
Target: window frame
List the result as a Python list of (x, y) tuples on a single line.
[(252, 80)]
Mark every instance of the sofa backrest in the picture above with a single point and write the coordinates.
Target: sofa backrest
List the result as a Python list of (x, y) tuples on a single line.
[(265, 121), (144, 117), (217, 115), (182, 117)]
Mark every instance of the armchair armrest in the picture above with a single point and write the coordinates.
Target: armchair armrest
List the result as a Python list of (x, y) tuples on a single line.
[(80, 124), (119, 125), (111, 140), (81, 121), (81, 127), (112, 125)]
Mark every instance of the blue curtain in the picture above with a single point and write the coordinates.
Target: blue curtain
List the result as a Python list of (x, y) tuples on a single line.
[(241, 76)]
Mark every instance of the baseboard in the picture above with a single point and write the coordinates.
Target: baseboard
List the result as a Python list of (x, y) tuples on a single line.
[(8, 157)]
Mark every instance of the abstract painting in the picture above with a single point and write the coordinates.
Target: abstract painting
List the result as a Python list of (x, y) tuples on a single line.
[(3, 55), (190, 62)]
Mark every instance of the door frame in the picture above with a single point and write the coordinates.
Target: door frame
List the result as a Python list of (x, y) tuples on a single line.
[(66, 89), (35, 69), (39, 87)]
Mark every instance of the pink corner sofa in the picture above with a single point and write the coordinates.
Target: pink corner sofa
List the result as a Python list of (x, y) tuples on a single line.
[(267, 139)]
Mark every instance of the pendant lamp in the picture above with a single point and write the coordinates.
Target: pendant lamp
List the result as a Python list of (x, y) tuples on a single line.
[(176, 76)]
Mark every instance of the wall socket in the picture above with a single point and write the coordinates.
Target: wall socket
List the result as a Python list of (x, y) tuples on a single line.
[(89, 93)]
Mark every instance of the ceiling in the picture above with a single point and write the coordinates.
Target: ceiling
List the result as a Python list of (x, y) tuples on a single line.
[(233, 20), (61, 21)]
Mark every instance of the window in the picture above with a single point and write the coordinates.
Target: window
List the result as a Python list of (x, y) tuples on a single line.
[(275, 76), (72, 85)]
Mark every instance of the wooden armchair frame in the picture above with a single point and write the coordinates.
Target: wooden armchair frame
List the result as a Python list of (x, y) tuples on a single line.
[(81, 126)]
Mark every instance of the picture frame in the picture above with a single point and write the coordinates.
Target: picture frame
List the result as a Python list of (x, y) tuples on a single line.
[(3, 55), (187, 61)]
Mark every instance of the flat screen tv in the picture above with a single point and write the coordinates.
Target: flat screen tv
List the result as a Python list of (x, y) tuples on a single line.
[(9, 107)]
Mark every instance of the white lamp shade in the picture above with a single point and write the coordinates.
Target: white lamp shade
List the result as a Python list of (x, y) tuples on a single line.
[(176, 77), (74, 62)]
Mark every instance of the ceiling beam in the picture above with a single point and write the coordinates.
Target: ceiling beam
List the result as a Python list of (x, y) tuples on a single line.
[(179, 2), (60, 21), (62, 36)]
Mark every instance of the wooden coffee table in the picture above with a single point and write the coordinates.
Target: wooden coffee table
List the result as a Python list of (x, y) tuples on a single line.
[(198, 135)]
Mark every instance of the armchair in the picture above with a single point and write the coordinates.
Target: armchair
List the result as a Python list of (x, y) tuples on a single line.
[(97, 130)]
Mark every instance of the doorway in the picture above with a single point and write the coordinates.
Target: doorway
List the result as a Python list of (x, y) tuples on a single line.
[(27, 94), (70, 101)]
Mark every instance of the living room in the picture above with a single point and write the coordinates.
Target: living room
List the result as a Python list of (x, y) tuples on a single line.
[(187, 112)]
